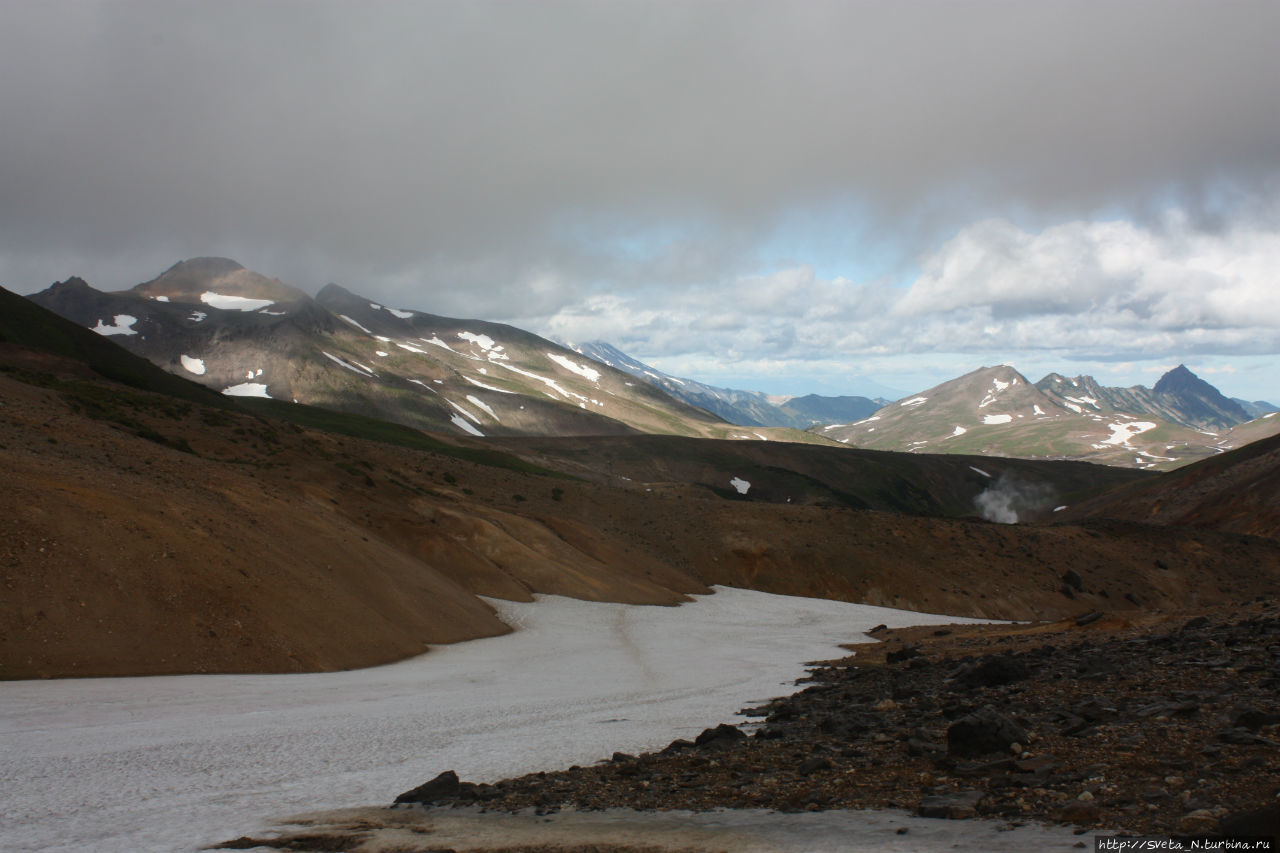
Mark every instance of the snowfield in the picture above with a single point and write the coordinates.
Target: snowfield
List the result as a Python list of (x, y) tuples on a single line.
[(174, 763)]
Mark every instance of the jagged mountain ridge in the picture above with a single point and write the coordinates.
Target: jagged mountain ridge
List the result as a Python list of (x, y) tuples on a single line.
[(213, 321), (1179, 396), (744, 408), (997, 411)]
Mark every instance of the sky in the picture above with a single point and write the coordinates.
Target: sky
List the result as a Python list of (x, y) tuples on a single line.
[(836, 198)]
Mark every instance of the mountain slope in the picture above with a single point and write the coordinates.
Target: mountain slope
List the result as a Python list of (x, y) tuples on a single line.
[(144, 533), (744, 408), (996, 411), (1179, 397), (1238, 491), (216, 323)]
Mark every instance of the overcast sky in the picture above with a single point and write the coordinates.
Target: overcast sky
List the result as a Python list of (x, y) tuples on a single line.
[(788, 197)]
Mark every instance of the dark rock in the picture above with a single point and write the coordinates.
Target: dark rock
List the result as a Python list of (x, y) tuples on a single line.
[(960, 805), (992, 671), (677, 745), (719, 737), (1244, 737), (877, 629), (442, 788), (984, 731), (904, 653), (619, 757), (1078, 811), (1132, 599), (813, 764), (1088, 618), (1072, 579), (1253, 719), (1264, 822)]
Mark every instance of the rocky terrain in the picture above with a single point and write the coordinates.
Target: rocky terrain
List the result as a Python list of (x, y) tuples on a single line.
[(1146, 725)]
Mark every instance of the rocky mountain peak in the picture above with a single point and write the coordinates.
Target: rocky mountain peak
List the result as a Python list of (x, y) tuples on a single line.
[(1181, 379)]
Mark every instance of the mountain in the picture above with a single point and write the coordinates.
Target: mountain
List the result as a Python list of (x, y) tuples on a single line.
[(1237, 491), (996, 411), (744, 408), (241, 333), (1179, 397), (149, 525), (1256, 408)]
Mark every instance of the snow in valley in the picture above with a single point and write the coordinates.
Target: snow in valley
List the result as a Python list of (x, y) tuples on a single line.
[(175, 763)]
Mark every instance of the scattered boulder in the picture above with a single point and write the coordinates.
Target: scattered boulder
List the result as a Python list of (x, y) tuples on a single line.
[(981, 732), (1072, 579), (992, 671), (721, 736), (444, 787)]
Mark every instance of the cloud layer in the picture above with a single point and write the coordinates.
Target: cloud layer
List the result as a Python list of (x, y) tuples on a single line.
[(568, 160)]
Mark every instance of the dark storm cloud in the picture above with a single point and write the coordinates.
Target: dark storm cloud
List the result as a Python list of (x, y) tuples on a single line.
[(485, 144)]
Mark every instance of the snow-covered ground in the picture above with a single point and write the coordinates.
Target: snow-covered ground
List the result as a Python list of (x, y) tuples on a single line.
[(174, 763)]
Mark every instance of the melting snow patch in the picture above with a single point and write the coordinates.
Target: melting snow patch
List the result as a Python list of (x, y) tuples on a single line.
[(1036, 408), (433, 340), (1059, 508), (980, 471), (403, 315), (233, 303), (1087, 401), (273, 313), (589, 373), (997, 419), (192, 365), (483, 341), (465, 425), (914, 401), (160, 298), (741, 485), (382, 338), (412, 348), (1000, 386), (354, 323), (1121, 433), (247, 389), (122, 325), (380, 354), (476, 401), (761, 437), (959, 431), (1073, 407), (464, 411), (353, 367)]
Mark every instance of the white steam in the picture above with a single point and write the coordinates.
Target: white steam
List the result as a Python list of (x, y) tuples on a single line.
[(1007, 498)]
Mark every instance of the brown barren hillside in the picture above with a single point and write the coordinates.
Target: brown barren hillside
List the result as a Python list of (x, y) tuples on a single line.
[(1237, 491), (147, 534)]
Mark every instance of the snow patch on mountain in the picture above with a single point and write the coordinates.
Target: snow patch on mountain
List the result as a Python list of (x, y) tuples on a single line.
[(959, 430), (247, 389), (192, 365), (997, 419), (354, 323), (354, 367), (741, 485), (466, 426), (1121, 433), (589, 373), (914, 401), (479, 384), (403, 315), (122, 324), (233, 303), (485, 342), (481, 404)]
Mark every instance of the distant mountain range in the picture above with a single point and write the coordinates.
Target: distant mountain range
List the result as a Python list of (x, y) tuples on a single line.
[(744, 408), (241, 333), (997, 411)]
